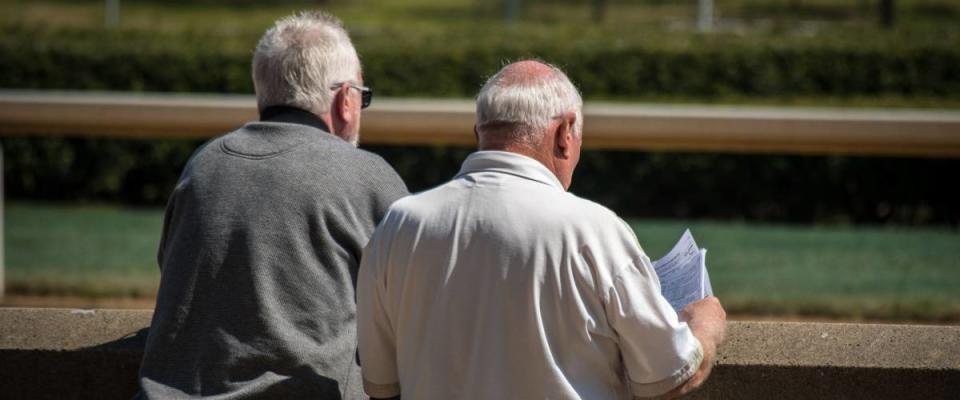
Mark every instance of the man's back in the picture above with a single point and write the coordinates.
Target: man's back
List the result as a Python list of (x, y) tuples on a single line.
[(259, 255), (500, 284)]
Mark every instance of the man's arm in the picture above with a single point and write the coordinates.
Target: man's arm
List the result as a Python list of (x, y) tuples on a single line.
[(707, 320), (375, 334), (389, 187), (165, 230)]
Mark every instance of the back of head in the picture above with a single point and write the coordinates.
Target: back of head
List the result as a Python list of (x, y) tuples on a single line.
[(517, 104), (300, 58)]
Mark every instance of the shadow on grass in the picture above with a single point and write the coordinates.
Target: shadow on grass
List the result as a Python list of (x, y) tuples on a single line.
[(82, 288)]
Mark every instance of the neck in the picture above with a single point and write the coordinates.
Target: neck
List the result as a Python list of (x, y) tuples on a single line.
[(325, 117), (531, 151)]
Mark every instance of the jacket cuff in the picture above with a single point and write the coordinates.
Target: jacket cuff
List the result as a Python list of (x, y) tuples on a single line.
[(667, 384)]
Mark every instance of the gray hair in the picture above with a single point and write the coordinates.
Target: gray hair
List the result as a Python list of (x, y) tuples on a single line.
[(300, 58), (520, 109)]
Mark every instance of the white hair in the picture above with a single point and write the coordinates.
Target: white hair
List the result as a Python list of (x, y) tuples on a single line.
[(300, 58), (521, 109)]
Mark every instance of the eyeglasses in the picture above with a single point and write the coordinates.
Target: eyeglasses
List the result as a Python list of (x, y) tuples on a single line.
[(366, 94)]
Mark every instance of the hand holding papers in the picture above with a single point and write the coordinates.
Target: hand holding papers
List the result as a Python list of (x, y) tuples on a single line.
[(683, 273)]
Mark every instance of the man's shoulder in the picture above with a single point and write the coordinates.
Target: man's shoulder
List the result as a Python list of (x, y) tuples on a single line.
[(588, 211), (323, 154), (341, 151), (421, 201), (574, 209), (202, 154), (369, 159), (323, 147)]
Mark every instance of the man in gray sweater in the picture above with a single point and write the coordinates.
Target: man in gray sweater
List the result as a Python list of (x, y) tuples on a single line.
[(264, 231)]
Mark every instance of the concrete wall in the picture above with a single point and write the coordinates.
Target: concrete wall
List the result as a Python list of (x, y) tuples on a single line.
[(59, 353)]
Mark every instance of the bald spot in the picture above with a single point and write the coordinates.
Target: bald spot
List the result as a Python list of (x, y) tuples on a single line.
[(524, 72)]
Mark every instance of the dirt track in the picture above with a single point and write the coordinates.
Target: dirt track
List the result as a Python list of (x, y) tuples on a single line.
[(76, 302)]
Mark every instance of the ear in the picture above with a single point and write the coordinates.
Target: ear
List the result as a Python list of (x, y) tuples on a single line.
[(476, 134), (343, 103), (564, 136)]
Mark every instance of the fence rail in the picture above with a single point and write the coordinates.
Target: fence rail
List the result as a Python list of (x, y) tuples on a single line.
[(450, 122)]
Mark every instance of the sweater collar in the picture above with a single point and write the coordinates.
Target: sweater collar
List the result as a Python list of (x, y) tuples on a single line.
[(292, 115)]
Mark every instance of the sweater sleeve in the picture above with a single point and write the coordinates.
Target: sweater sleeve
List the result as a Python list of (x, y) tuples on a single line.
[(389, 188), (164, 232)]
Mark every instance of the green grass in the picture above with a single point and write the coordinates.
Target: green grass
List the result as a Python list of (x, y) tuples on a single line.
[(846, 272), (86, 251), (851, 272)]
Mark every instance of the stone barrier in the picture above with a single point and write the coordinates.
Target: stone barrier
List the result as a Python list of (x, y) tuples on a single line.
[(95, 354)]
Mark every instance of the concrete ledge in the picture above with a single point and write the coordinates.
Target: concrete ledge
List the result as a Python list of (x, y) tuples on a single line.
[(70, 354), (61, 353), (786, 360)]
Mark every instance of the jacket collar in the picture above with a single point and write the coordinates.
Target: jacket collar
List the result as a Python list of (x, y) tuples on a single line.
[(509, 163)]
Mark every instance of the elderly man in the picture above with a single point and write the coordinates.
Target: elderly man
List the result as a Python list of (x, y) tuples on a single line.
[(501, 285), (264, 231)]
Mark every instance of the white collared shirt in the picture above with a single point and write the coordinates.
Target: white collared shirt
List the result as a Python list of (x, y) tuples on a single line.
[(501, 285)]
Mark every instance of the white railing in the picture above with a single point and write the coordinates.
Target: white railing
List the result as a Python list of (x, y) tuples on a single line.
[(450, 122)]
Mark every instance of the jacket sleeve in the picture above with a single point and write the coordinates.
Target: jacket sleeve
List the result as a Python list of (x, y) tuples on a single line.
[(659, 352), (375, 333)]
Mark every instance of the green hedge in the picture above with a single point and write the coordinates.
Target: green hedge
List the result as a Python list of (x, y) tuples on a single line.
[(765, 188), (456, 68), (801, 189)]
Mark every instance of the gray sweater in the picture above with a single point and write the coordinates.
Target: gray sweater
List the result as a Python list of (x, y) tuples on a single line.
[(259, 253)]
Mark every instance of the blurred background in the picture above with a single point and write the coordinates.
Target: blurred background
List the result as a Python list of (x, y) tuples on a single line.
[(790, 236)]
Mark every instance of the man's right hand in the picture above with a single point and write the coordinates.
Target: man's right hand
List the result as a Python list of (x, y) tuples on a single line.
[(706, 318), (708, 321)]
